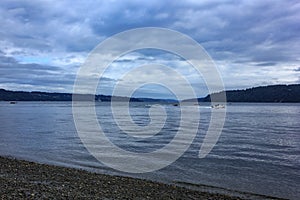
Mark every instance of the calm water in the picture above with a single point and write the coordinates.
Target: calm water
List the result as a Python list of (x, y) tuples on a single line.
[(258, 151)]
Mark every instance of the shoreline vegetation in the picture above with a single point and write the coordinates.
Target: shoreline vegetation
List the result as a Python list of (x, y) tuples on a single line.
[(21, 179), (262, 94)]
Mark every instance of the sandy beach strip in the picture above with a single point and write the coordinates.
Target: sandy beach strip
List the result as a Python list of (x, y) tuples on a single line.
[(28, 180)]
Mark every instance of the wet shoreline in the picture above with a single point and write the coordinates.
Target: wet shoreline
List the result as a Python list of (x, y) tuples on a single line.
[(23, 179)]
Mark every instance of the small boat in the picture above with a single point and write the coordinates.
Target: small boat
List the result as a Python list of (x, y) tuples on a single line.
[(218, 106), (12, 102), (175, 104)]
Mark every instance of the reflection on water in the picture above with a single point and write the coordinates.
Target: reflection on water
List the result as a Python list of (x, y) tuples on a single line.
[(258, 150)]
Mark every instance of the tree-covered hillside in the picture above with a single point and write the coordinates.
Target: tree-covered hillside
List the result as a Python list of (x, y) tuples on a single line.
[(272, 93)]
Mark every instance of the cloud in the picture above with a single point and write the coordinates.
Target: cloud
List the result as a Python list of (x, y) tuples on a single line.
[(297, 70), (33, 76), (48, 42), (266, 64)]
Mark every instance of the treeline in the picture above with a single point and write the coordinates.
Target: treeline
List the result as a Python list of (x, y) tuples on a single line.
[(6, 95), (272, 93)]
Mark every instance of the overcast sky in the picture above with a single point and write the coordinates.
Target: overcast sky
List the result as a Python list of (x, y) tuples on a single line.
[(43, 43)]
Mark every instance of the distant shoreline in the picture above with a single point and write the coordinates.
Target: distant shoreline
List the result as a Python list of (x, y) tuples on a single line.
[(261, 94), (24, 179)]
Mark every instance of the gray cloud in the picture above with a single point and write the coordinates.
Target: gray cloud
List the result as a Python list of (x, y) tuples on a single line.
[(259, 30), (266, 64), (44, 77), (297, 70), (248, 35), (14, 73), (235, 26)]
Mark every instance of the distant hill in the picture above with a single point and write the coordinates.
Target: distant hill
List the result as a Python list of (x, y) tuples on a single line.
[(272, 93), (6, 95)]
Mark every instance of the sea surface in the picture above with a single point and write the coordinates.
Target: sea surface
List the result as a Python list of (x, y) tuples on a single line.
[(258, 150)]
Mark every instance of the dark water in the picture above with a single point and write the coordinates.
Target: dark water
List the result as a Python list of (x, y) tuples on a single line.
[(258, 150)]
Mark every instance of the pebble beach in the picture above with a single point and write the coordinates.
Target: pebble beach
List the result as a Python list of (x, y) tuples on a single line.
[(21, 179)]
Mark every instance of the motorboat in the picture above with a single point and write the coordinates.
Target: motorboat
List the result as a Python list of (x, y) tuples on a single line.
[(218, 106)]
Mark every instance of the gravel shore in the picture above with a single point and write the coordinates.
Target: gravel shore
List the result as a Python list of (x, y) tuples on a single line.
[(27, 180)]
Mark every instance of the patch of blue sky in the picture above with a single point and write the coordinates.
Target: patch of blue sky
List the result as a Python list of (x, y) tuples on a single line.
[(34, 59)]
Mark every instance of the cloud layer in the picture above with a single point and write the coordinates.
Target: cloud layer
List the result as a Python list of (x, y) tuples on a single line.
[(43, 43)]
